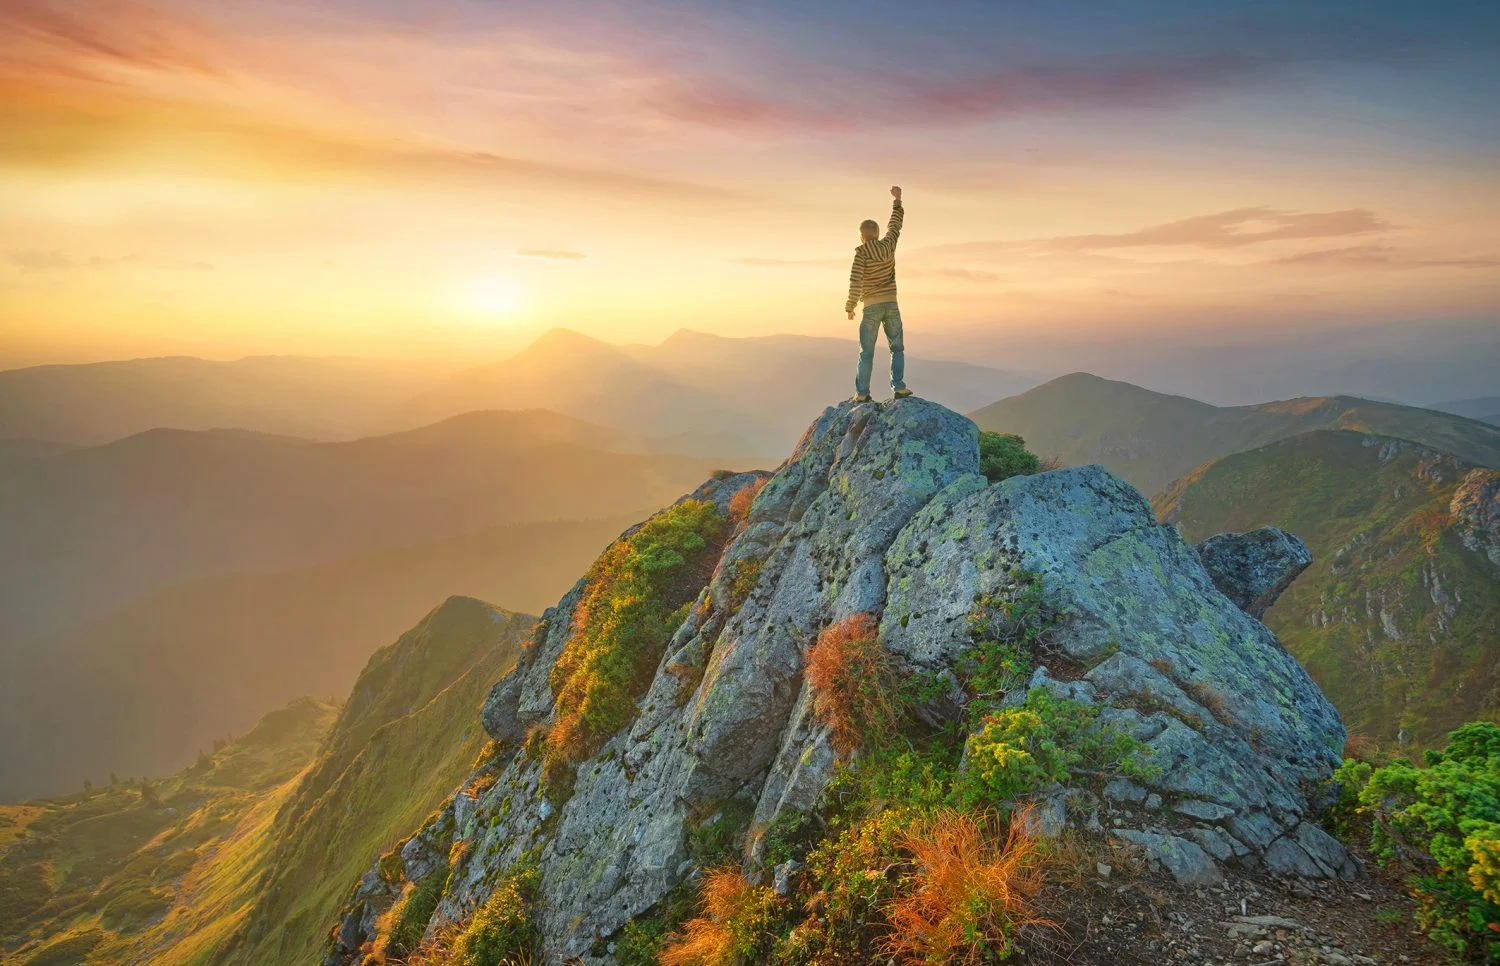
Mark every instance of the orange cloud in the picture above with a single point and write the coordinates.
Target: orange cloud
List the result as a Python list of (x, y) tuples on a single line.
[(1226, 229), (1379, 256), (66, 40)]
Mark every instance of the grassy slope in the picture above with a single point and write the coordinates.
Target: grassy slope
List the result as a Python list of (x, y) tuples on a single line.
[(143, 689), (1380, 535), (1151, 439), (408, 735), (119, 879), (266, 841)]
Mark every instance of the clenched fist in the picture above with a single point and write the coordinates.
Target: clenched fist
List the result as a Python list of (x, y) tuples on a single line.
[(896, 192)]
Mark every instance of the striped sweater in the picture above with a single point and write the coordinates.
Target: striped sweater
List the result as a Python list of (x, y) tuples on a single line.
[(873, 277)]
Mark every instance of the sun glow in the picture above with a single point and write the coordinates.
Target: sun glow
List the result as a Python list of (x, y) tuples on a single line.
[(493, 296)]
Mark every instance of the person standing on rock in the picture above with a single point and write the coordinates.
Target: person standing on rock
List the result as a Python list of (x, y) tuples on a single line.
[(873, 281)]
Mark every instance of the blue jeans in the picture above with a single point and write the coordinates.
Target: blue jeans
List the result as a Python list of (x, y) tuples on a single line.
[(887, 316)]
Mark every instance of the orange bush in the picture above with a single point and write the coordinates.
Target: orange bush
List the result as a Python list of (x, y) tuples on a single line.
[(736, 916), (971, 891), (739, 504), (850, 673)]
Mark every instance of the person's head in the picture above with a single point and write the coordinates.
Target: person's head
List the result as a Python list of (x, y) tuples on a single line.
[(869, 230)]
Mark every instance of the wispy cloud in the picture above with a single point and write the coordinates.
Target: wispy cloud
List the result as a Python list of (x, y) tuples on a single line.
[(551, 254), (954, 274), (1233, 229), (898, 100), (788, 262), (56, 260), (1237, 228), (1380, 256), (75, 39)]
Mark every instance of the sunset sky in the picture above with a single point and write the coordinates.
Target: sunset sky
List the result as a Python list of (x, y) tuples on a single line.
[(450, 178)]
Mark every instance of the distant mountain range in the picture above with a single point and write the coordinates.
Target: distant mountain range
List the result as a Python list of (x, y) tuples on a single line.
[(750, 393), (89, 529), (692, 393), (142, 689), (1398, 618), (333, 398), (1151, 438), (1486, 408)]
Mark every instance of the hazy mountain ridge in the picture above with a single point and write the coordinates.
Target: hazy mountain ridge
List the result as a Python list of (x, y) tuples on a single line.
[(1485, 408), (89, 529), (754, 387), (93, 403), (1152, 438), (140, 690), (700, 393), (1398, 617)]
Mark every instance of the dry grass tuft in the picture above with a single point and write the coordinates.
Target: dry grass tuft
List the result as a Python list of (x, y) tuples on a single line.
[(972, 890), (734, 920), (1361, 747), (851, 675), (1164, 665), (1208, 697), (739, 504)]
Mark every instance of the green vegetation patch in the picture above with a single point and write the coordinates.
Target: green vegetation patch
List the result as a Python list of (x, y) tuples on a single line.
[(1003, 455), (624, 621), (503, 930), (414, 911), (1440, 822), (968, 777)]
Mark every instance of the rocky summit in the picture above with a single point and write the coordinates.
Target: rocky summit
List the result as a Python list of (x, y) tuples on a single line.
[(882, 511)]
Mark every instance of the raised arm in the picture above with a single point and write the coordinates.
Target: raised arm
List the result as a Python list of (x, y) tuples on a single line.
[(856, 281), (893, 230)]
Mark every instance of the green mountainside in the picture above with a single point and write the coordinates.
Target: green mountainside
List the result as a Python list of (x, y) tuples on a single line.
[(244, 856), (407, 736), (102, 875), (1151, 438), (1397, 619)]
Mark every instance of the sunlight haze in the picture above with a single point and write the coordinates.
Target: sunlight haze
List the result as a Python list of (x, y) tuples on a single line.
[(453, 179)]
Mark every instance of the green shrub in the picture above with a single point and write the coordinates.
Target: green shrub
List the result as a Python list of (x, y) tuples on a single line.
[(1019, 750), (1003, 455), (641, 942), (502, 930), (624, 620), (1443, 822), (414, 911)]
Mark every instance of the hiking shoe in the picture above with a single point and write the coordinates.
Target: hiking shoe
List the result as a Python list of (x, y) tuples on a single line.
[(860, 397), (902, 393)]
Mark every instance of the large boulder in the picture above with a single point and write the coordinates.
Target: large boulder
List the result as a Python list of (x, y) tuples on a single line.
[(1253, 568), (881, 510)]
